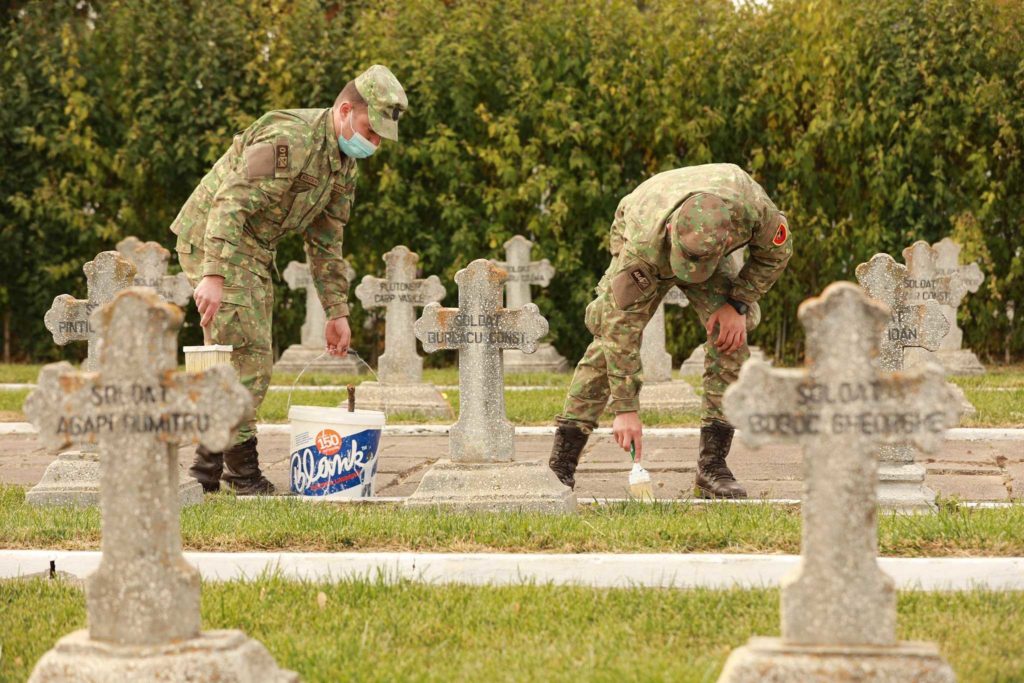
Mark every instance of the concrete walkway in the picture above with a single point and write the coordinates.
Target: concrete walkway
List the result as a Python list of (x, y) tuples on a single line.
[(973, 464), (600, 570)]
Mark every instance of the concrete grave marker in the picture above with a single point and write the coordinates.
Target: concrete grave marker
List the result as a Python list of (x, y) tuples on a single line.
[(659, 391), (143, 600), (73, 478), (964, 278), (400, 368), (926, 281), (150, 260), (297, 356), (900, 479), (839, 607), (522, 274), (480, 473)]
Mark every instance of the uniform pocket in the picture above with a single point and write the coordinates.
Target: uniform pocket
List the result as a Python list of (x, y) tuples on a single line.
[(592, 317), (234, 318), (634, 283)]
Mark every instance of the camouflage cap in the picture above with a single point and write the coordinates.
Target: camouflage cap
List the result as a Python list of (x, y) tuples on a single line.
[(700, 233), (385, 99)]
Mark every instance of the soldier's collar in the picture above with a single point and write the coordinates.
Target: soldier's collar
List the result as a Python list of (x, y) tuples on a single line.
[(332, 141)]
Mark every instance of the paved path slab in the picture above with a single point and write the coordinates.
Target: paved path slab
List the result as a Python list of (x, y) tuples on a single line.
[(602, 570), (985, 469)]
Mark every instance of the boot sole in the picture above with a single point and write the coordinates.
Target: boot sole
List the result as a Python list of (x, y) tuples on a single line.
[(708, 494)]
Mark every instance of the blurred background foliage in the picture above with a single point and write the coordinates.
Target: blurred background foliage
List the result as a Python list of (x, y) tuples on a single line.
[(871, 124)]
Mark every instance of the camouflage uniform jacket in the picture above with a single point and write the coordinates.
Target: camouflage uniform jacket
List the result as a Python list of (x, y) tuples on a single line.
[(283, 174), (639, 238)]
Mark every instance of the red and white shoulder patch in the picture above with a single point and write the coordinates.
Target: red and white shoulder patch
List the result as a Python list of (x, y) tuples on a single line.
[(781, 235)]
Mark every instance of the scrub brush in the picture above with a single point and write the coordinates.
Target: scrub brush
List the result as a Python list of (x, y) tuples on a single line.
[(639, 479)]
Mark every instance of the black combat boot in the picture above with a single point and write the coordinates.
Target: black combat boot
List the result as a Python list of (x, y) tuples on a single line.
[(565, 453), (714, 478), (242, 470), (206, 469)]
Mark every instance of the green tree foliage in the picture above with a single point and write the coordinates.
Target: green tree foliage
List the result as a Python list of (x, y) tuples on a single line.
[(871, 124)]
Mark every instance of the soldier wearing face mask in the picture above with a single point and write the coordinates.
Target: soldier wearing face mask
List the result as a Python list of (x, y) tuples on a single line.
[(292, 171)]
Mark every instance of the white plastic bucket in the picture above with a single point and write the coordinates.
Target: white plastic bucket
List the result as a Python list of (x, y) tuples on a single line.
[(334, 452)]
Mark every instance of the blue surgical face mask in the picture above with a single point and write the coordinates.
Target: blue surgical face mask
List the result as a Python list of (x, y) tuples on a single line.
[(356, 146)]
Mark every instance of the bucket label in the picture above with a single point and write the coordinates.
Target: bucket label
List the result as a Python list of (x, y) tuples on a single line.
[(335, 463)]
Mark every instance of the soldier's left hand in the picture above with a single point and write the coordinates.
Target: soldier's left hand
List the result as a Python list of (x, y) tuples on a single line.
[(732, 329), (338, 336)]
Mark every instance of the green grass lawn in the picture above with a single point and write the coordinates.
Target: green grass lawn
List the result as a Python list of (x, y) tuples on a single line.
[(223, 523), (376, 631), (1003, 408)]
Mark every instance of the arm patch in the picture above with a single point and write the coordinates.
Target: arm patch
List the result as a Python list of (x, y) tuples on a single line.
[(259, 161)]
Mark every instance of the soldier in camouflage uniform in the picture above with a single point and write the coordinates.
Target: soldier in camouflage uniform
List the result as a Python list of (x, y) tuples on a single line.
[(291, 171), (676, 230)]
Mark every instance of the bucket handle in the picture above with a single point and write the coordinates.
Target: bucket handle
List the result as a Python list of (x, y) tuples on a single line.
[(306, 366)]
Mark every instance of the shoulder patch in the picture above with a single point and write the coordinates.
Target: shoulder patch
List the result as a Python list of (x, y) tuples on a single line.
[(281, 156), (259, 161), (781, 235)]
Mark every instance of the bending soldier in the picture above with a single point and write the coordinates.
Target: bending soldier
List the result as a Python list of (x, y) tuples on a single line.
[(291, 171), (676, 230)]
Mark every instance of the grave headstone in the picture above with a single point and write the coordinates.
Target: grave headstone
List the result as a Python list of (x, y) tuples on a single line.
[(522, 273), (900, 478), (150, 260), (659, 391), (926, 281), (73, 478), (143, 600), (480, 472), (299, 356), (401, 388), (839, 607), (966, 278)]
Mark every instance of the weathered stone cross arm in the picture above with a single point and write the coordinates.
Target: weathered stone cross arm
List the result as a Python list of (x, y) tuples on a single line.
[(68, 317), (843, 395), (136, 392), (150, 260), (518, 265), (921, 325), (521, 328), (376, 292)]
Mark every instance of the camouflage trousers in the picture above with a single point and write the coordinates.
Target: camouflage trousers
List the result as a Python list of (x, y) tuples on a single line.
[(243, 321), (590, 391)]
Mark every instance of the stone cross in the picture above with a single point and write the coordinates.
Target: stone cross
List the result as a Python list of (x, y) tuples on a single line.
[(654, 359), (928, 280), (841, 408), (919, 324), (964, 279), (400, 292), (479, 329), (68, 317), (522, 272), (922, 325), (297, 276), (138, 409), (150, 261)]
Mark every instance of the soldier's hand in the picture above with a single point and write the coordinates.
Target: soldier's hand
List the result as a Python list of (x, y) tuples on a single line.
[(732, 329), (627, 429), (208, 296), (338, 336)]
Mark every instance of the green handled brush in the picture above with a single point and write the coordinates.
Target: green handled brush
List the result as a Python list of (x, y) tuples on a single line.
[(639, 479)]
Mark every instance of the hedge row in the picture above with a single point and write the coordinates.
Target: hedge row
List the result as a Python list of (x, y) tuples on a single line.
[(871, 124)]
